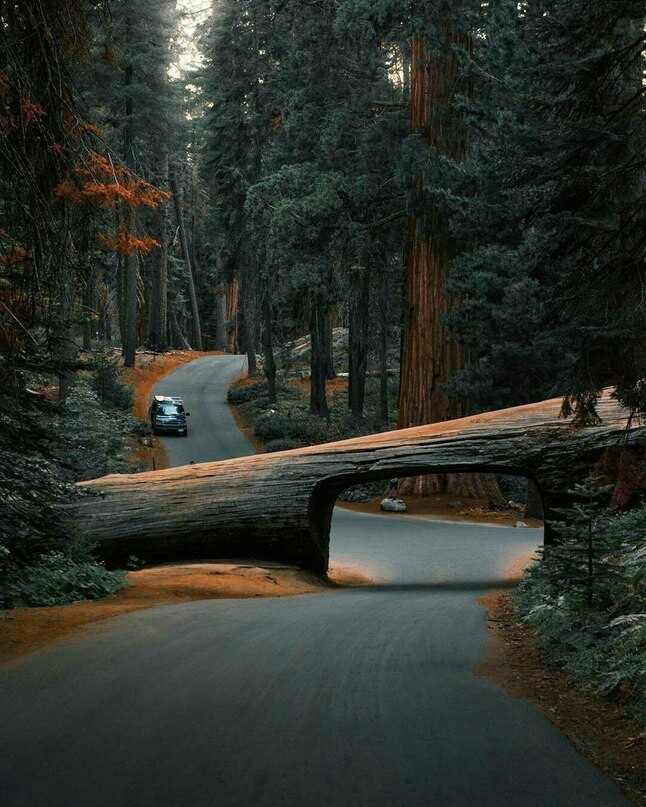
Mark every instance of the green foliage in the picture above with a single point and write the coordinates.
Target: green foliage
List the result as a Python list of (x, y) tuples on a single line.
[(586, 598), (278, 427), (245, 393), (107, 383), (367, 492), (300, 165), (93, 438), (56, 578), (549, 209)]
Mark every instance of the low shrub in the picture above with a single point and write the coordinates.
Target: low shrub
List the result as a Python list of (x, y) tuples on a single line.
[(57, 579), (261, 402), (276, 427), (367, 492), (93, 438), (244, 393), (513, 488)]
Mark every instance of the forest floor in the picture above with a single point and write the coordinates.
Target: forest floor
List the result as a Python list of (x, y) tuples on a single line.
[(596, 725)]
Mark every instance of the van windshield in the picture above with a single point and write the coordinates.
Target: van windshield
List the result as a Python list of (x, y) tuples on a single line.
[(171, 409)]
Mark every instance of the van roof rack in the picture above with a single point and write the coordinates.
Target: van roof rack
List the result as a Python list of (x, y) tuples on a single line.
[(173, 398)]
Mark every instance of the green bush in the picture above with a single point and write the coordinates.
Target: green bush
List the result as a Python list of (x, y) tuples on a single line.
[(107, 383), (243, 394), (367, 492), (57, 579), (586, 598), (276, 427), (93, 438)]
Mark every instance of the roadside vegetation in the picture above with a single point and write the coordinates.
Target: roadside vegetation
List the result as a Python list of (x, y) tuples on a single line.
[(42, 559), (586, 598)]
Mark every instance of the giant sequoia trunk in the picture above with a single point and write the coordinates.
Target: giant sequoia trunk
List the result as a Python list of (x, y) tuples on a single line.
[(220, 319), (232, 306), (430, 355)]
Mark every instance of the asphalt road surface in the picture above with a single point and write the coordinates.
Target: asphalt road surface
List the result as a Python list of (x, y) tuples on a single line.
[(212, 431), (364, 697)]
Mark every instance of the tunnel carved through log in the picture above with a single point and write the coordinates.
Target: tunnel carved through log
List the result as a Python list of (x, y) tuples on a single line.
[(278, 506)]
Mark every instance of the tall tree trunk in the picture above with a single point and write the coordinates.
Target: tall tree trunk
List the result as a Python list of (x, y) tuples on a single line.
[(233, 302), (130, 267), (196, 331), (220, 319), (318, 400), (268, 345), (158, 321), (177, 337), (247, 312), (89, 300), (248, 329), (384, 292), (430, 355), (328, 346), (358, 340), (129, 336)]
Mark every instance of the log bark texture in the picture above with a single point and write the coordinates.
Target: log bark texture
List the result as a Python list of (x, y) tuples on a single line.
[(279, 505)]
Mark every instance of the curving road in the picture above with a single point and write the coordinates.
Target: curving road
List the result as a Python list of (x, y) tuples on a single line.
[(212, 431), (362, 697)]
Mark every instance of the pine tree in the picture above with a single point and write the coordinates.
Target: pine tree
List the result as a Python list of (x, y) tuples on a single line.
[(43, 260), (137, 108), (551, 208)]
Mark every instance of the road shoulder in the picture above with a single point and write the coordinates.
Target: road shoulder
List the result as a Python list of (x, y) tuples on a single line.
[(595, 725), (23, 630)]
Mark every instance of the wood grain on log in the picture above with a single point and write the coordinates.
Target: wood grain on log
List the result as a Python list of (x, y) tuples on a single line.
[(279, 505)]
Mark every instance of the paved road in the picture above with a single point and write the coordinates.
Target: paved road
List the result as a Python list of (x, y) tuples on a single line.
[(361, 697), (358, 698), (212, 431)]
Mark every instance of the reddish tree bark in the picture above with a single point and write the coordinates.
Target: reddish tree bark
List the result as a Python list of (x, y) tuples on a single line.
[(430, 355)]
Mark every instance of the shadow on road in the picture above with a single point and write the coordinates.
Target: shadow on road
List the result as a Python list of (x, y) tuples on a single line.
[(432, 587)]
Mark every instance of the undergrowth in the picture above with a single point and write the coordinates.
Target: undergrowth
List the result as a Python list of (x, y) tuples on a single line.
[(586, 599), (287, 422), (57, 578), (42, 560)]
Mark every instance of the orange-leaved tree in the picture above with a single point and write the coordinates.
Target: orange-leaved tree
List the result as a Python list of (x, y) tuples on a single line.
[(100, 182)]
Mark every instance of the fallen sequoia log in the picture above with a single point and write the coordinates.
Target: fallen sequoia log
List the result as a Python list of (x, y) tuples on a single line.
[(279, 506)]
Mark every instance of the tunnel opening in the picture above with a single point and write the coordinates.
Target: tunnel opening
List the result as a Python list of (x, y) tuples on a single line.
[(437, 541), (373, 492)]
